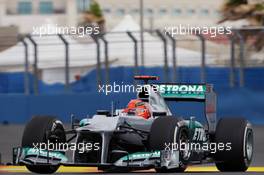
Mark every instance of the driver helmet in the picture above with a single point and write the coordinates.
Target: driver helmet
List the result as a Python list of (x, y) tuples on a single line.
[(138, 107)]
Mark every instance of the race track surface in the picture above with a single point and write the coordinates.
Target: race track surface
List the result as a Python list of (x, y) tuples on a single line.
[(10, 136)]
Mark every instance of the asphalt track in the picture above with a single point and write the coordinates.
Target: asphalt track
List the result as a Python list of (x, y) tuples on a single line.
[(10, 136)]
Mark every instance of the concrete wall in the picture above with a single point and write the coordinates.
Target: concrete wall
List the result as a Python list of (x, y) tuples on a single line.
[(8, 37), (25, 23)]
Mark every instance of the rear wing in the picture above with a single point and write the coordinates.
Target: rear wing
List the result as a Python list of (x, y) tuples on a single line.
[(192, 92), (188, 92), (183, 91)]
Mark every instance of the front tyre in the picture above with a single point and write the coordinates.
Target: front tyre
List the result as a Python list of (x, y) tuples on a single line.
[(166, 130), (238, 133), (39, 130)]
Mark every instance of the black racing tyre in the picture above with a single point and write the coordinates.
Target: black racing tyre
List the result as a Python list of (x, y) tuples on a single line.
[(168, 130), (40, 129), (238, 133), (43, 169)]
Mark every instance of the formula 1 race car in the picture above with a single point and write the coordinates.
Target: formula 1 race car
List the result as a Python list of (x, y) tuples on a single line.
[(143, 135)]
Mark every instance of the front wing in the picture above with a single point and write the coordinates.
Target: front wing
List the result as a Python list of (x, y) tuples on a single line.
[(138, 160)]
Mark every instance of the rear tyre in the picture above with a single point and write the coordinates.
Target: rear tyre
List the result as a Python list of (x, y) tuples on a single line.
[(169, 130), (39, 130), (238, 133)]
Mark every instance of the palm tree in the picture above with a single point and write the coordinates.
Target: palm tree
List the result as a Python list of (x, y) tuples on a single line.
[(253, 12), (93, 16)]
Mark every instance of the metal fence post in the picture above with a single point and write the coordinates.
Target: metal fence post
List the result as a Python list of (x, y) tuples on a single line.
[(98, 64), (26, 74), (142, 40), (135, 52), (35, 65), (241, 59), (166, 67), (232, 62), (107, 76), (174, 58), (203, 71), (67, 74)]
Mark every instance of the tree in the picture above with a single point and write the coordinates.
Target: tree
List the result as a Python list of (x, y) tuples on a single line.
[(243, 9), (253, 12), (94, 17), (95, 9)]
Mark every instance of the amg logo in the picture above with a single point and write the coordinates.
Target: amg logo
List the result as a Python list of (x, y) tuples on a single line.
[(181, 88)]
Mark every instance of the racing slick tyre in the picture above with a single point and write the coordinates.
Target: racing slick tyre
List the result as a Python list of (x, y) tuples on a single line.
[(39, 130), (239, 134), (167, 130)]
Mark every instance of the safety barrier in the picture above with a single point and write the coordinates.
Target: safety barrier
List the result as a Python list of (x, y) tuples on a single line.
[(219, 76), (19, 108)]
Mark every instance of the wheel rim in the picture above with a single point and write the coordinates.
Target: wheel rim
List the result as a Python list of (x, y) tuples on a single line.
[(249, 145), (184, 139)]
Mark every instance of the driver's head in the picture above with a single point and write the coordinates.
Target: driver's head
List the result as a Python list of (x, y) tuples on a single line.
[(138, 107)]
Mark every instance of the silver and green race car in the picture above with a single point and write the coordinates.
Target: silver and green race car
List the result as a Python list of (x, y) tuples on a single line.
[(122, 140)]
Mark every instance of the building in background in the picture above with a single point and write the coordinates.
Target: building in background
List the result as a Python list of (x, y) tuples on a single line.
[(28, 13), (164, 13)]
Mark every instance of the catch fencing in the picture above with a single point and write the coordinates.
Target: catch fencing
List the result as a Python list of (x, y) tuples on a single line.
[(160, 49)]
